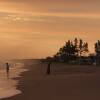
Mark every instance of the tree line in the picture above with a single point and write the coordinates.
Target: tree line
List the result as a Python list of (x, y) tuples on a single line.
[(77, 51)]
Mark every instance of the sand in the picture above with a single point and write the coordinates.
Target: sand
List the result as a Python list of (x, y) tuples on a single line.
[(65, 82)]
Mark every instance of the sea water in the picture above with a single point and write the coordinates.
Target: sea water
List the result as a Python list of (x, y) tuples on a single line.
[(7, 84)]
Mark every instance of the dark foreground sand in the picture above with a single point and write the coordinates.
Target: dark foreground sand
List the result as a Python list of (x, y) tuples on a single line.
[(71, 83)]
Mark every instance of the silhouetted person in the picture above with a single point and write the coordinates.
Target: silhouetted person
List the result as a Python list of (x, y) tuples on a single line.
[(48, 69), (7, 69)]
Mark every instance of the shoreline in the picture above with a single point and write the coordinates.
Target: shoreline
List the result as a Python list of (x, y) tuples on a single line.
[(36, 85), (24, 77)]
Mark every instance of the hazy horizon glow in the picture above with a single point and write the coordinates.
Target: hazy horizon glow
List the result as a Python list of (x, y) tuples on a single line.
[(38, 28)]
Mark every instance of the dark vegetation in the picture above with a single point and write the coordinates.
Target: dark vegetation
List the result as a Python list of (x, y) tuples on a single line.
[(77, 52)]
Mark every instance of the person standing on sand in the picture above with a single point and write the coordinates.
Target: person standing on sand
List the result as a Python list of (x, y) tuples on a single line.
[(48, 69), (7, 69)]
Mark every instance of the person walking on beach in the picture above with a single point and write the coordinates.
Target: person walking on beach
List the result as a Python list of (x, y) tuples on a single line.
[(48, 69), (7, 69)]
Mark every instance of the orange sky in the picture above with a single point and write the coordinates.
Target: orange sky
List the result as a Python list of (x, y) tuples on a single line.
[(38, 28)]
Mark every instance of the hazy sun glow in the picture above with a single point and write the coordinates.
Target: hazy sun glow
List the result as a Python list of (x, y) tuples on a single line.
[(37, 28)]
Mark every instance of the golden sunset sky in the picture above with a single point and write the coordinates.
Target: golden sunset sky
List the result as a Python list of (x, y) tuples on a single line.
[(38, 28)]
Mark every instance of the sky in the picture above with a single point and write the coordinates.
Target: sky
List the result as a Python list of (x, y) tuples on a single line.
[(38, 28)]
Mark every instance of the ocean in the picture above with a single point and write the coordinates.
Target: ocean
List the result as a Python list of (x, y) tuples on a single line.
[(7, 83)]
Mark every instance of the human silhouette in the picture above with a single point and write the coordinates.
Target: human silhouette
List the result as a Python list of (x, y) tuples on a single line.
[(7, 69), (48, 69)]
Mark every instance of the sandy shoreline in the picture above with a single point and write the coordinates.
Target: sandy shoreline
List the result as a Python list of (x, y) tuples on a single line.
[(36, 85)]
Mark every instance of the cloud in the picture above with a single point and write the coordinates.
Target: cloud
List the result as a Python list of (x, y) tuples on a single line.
[(60, 6), (33, 24)]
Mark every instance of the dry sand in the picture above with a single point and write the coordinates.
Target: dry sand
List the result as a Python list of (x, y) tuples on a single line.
[(64, 83)]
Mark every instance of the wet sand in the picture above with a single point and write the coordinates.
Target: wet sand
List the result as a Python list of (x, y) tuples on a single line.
[(70, 83)]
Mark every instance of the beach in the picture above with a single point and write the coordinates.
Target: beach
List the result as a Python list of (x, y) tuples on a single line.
[(66, 82)]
